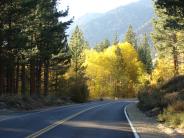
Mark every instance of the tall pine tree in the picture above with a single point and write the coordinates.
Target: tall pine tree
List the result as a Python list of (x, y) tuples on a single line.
[(77, 45), (145, 54), (165, 38), (130, 37)]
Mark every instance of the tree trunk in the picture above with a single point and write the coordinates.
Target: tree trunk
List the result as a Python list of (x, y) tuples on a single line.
[(175, 56), (176, 64), (23, 80), (38, 76), (46, 77), (13, 78), (17, 77), (32, 78), (8, 80), (56, 82), (1, 80)]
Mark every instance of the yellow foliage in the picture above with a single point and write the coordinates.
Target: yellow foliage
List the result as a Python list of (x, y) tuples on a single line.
[(163, 71), (114, 74)]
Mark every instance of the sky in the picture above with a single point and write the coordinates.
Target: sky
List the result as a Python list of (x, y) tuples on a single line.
[(79, 8)]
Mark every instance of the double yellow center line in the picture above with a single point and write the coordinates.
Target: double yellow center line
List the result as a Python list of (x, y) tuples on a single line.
[(60, 122)]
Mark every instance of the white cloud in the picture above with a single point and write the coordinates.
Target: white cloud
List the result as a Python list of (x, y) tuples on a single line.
[(81, 7)]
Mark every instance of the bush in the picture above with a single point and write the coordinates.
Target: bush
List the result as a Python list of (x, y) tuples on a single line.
[(174, 84), (29, 103), (79, 92), (176, 107), (149, 99), (170, 98), (173, 115)]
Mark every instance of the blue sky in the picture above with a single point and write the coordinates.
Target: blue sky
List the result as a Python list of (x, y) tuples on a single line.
[(79, 8)]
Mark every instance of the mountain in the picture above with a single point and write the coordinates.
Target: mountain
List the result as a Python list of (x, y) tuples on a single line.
[(87, 18), (145, 28), (97, 27)]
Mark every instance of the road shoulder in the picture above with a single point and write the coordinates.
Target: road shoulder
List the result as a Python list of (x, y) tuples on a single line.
[(145, 126)]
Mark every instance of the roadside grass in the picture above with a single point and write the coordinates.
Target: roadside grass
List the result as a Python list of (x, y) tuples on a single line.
[(166, 102), (29, 103), (173, 115)]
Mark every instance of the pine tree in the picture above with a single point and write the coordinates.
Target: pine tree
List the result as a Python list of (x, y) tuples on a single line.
[(115, 40), (53, 40), (130, 37), (12, 41), (173, 8), (77, 46), (165, 39), (103, 45), (31, 36), (145, 54)]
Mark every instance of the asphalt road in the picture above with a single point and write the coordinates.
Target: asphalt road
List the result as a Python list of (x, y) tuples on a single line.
[(90, 120)]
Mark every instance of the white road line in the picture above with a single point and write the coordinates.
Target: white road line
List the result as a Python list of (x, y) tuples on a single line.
[(130, 123)]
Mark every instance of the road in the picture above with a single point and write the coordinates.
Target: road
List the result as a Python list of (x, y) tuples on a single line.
[(90, 120)]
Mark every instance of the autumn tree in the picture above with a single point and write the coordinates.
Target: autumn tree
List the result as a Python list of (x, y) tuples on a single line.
[(114, 72)]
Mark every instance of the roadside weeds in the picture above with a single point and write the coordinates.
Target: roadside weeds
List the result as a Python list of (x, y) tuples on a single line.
[(148, 127)]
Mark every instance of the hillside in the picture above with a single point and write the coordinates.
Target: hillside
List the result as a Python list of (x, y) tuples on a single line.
[(147, 28), (97, 27)]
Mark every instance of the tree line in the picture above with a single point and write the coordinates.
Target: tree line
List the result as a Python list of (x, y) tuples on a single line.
[(37, 58), (110, 69), (33, 44)]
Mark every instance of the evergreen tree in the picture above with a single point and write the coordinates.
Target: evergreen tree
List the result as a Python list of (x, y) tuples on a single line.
[(53, 39), (173, 8), (31, 36), (165, 39), (130, 37), (115, 40), (103, 45), (13, 39), (145, 54), (77, 45)]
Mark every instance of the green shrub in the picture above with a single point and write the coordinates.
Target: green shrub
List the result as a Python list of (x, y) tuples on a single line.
[(149, 99), (79, 92), (174, 84)]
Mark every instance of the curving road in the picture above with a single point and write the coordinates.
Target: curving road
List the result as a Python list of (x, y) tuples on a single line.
[(90, 120)]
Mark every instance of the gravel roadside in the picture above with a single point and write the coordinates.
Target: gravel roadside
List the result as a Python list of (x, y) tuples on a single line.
[(148, 127)]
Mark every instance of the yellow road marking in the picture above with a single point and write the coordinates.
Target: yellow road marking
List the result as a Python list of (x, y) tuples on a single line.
[(57, 123)]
